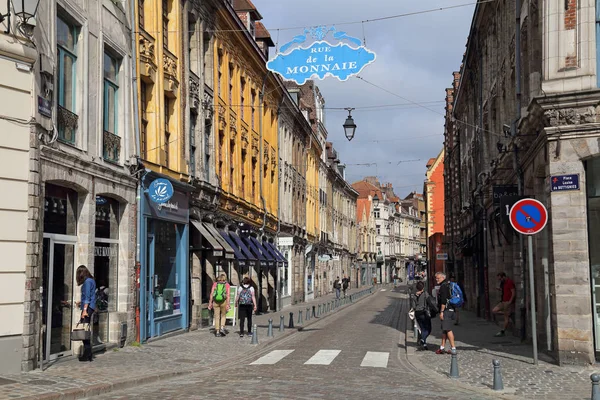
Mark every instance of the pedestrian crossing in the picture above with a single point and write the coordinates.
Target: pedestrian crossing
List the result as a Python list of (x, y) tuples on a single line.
[(372, 359)]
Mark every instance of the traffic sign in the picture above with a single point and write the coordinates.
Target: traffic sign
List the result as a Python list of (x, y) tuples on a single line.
[(528, 216)]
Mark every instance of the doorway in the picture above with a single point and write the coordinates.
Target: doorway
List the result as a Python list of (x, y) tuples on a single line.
[(57, 296)]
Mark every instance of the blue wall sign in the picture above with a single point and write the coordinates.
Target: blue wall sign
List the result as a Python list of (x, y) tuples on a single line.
[(559, 183), (322, 58), (160, 190)]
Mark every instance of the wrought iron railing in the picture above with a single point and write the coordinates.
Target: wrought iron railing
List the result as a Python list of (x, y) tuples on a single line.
[(111, 147), (67, 125)]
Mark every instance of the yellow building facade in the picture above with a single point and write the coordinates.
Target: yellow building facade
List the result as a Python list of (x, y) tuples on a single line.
[(312, 189), (246, 98), (160, 87)]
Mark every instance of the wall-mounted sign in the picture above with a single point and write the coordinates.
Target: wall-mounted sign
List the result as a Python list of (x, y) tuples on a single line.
[(160, 190), (560, 183), (44, 107), (504, 190), (322, 58), (101, 200), (441, 256)]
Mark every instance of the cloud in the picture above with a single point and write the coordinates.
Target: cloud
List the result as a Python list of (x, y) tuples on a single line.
[(416, 56)]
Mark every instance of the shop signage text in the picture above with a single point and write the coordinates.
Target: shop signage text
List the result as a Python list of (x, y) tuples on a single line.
[(501, 191), (321, 59), (560, 183), (441, 256)]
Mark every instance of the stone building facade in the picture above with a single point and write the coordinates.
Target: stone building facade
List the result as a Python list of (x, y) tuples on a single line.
[(525, 119)]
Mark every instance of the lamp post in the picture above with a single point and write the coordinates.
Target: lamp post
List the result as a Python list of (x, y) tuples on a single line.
[(375, 200), (349, 125)]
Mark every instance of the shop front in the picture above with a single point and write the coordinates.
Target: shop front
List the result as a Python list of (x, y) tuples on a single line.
[(164, 282)]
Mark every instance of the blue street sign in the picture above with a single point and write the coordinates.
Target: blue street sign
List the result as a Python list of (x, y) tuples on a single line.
[(321, 58), (559, 183), (160, 190), (411, 271)]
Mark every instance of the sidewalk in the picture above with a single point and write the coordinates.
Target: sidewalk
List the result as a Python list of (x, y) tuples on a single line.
[(477, 347), (165, 358)]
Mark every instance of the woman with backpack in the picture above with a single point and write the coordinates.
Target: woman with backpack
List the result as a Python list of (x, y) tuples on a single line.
[(219, 300), (424, 307), (246, 304)]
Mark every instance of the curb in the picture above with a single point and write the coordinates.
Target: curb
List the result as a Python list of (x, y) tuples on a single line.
[(104, 388)]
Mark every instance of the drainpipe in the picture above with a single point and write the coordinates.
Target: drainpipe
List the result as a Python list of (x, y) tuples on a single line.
[(277, 292), (136, 129), (516, 163), (261, 98)]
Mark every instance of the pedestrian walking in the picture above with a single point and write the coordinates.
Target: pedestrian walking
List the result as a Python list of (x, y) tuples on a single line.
[(345, 284), (447, 313), (87, 305), (219, 301), (337, 286), (424, 308), (246, 304), (506, 306)]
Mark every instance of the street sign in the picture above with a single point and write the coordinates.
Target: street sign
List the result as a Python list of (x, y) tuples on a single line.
[(560, 183), (528, 216), (441, 256)]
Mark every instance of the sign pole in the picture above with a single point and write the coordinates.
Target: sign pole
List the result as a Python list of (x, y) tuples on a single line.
[(532, 299)]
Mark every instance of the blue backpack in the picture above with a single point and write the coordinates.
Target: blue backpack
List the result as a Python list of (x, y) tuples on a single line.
[(457, 298)]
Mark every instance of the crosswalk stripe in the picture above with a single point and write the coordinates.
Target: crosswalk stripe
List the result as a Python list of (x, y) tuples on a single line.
[(323, 357), (272, 358), (375, 359)]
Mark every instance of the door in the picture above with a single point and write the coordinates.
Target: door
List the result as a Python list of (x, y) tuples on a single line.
[(58, 303)]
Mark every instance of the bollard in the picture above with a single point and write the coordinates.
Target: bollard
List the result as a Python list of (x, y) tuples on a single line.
[(270, 329), (328, 306), (299, 317), (254, 334), (307, 313), (313, 312), (281, 323), (319, 311), (595, 388), (454, 365), (291, 323), (498, 385), (415, 329)]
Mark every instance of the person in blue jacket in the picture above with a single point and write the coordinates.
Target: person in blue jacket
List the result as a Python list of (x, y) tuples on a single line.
[(87, 305)]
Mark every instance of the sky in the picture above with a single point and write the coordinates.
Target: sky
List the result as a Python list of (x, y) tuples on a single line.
[(416, 56)]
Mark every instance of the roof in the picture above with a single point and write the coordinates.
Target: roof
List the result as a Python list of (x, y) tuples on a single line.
[(430, 162), (366, 189), (246, 5), (361, 209), (261, 33)]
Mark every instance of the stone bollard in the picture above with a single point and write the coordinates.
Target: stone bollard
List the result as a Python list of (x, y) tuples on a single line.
[(281, 323), (254, 334), (299, 317), (498, 385), (595, 386), (313, 312), (270, 329), (319, 311), (307, 314), (454, 365), (291, 323)]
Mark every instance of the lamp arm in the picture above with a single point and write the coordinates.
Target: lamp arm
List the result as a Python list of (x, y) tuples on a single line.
[(4, 16)]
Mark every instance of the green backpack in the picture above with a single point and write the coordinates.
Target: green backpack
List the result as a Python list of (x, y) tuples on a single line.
[(220, 293)]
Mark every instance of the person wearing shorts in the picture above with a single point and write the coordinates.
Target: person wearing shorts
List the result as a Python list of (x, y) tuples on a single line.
[(447, 314), (507, 306)]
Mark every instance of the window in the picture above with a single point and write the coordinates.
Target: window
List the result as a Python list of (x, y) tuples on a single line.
[(112, 143), (243, 181), (242, 97), (219, 72), (168, 237), (207, 130), (144, 125), (193, 118), (141, 13), (167, 139), (66, 39), (230, 84), (106, 261), (252, 109), (231, 167), (165, 23)]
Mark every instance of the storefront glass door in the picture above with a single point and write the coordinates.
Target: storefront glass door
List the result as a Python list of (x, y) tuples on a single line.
[(58, 302), (593, 205)]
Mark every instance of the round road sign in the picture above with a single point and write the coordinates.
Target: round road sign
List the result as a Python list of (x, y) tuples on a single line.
[(528, 216)]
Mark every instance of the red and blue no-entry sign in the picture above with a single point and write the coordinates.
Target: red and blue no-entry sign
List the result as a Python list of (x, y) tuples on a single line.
[(528, 216)]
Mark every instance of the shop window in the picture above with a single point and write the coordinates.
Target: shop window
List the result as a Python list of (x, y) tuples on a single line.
[(166, 277), (60, 210), (106, 263), (67, 118), (284, 290), (593, 200)]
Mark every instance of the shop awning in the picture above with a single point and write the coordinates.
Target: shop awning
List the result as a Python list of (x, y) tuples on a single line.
[(270, 258), (229, 253), (236, 251), (242, 246), (256, 251), (217, 249), (278, 256)]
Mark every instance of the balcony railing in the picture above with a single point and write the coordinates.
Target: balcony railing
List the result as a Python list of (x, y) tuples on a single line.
[(67, 125), (111, 147)]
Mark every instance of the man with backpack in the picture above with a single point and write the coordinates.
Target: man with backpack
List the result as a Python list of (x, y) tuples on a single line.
[(450, 297), (337, 286), (424, 308), (219, 300)]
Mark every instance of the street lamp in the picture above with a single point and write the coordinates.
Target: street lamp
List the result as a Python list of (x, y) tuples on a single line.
[(349, 125), (24, 9)]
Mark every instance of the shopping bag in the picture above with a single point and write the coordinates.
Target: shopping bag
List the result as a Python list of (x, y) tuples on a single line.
[(82, 332)]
